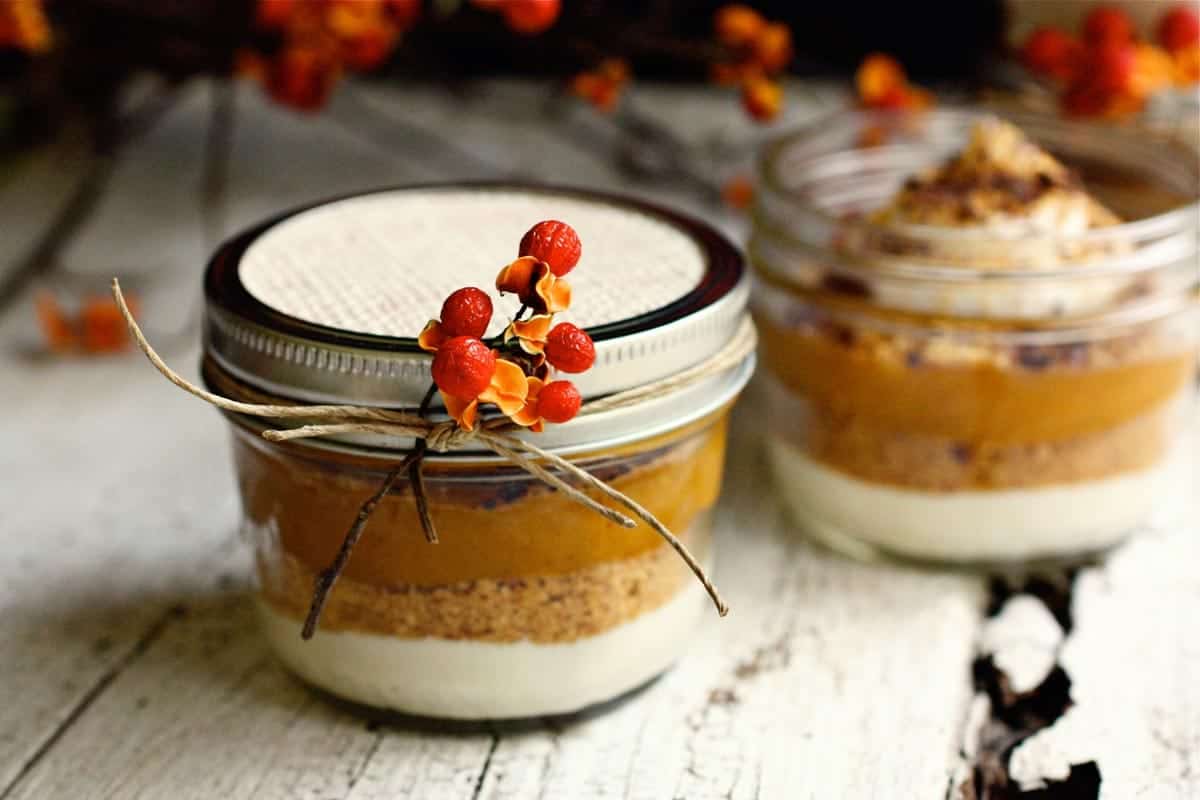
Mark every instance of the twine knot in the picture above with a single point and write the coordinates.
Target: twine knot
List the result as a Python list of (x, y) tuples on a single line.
[(446, 436)]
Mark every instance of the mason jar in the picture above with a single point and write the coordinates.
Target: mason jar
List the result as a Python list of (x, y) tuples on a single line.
[(529, 603), (974, 395)]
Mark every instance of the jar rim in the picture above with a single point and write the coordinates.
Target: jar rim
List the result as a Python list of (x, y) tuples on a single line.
[(1165, 237)]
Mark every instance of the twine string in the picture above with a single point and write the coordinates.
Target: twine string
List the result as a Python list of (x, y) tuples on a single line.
[(444, 436)]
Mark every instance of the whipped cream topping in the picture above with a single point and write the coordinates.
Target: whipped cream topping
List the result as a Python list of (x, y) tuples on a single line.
[(1002, 204), (1001, 181)]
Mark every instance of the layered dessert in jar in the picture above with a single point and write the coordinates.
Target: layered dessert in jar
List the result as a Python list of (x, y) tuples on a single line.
[(972, 358), (529, 603)]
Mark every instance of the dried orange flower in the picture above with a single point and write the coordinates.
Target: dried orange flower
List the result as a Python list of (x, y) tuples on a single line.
[(1153, 70), (530, 333), (527, 415), (1187, 65), (536, 286)]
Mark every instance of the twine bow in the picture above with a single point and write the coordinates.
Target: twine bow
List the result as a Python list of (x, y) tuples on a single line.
[(334, 420)]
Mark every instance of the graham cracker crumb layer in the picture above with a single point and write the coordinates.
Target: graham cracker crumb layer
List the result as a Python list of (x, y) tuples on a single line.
[(540, 609), (859, 448)]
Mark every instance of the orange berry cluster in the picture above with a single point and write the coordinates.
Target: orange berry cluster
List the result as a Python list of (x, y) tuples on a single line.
[(602, 86), (97, 328), (512, 371), (882, 83), (1108, 71), (23, 26), (319, 40), (758, 51), (526, 17)]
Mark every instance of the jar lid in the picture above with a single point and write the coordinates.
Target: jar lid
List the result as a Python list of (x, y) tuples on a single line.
[(323, 304)]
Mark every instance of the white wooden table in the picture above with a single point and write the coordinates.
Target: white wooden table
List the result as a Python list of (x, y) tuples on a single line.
[(130, 666)]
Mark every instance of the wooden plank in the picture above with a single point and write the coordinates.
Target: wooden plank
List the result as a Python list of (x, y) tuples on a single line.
[(1134, 663)]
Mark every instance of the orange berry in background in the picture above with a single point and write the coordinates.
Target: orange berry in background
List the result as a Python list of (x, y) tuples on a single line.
[(302, 77), (1052, 52), (1107, 24), (530, 17), (615, 70), (370, 49), (586, 85), (102, 327), (1109, 67), (605, 96), (57, 330), (737, 25), (772, 47), (271, 14), (1153, 69), (877, 77), (1187, 65), (1179, 28), (738, 192), (762, 98), (894, 99)]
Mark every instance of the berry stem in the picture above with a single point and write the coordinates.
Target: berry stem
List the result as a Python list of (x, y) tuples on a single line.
[(417, 478), (328, 576)]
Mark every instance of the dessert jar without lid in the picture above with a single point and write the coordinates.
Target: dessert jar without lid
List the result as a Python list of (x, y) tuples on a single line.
[(529, 604), (974, 395)]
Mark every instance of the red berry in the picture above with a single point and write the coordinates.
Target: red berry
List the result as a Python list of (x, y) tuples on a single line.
[(530, 17), (466, 312), (1107, 24), (559, 401), (1050, 51), (554, 242), (1179, 28), (569, 348), (1109, 67), (463, 367)]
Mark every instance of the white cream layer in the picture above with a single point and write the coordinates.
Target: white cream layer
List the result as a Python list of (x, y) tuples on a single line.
[(973, 525), (462, 679)]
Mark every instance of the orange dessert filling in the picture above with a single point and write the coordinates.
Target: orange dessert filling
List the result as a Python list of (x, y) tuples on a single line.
[(515, 560)]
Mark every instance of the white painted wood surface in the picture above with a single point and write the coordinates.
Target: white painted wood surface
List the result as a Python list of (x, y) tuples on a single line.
[(132, 668)]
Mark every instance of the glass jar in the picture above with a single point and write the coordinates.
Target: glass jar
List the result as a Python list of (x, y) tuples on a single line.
[(973, 395), (529, 603)]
